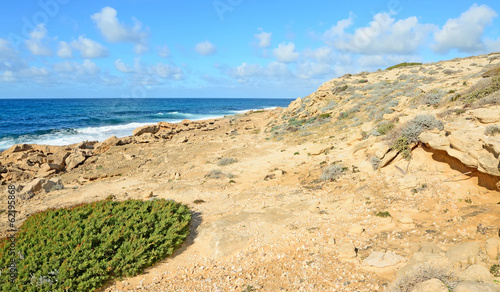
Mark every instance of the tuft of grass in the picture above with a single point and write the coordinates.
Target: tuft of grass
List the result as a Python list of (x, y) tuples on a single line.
[(384, 214), (324, 116), (405, 64), (492, 130), (198, 201), (491, 73), (385, 128), (82, 247), (226, 161)]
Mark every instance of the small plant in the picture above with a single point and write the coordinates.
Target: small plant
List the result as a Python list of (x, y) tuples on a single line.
[(232, 182), (226, 161), (403, 147), (422, 273), (332, 172), (296, 153), (384, 214), (495, 270), (468, 201), (405, 64), (363, 81), (375, 162), (324, 116), (199, 201), (492, 130), (385, 128), (215, 174)]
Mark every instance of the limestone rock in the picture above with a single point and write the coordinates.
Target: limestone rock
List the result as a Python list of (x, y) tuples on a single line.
[(388, 158), (16, 148), (493, 248), (383, 259), (432, 285), (477, 273), (106, 145), (422, 258), (151, 129), (347, 251), (464, 253), (486, 115), (356, 229), (145, 138), (127, 140), (406, 220), (487, 163), (476, 287), (435, 141), (75, 159), (38, 185)]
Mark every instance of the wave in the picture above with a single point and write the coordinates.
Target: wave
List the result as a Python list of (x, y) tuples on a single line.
[(69, 136)]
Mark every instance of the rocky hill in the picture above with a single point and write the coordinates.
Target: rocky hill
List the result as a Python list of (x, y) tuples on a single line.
[(377, 181)]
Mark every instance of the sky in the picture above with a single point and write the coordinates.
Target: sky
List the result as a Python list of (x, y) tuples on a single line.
[(225, 48)]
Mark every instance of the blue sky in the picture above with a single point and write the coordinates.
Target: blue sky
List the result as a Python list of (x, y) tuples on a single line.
[(225, 48)]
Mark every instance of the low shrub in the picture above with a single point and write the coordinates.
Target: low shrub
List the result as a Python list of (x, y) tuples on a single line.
[(226, 161), (215, 174), (482, 89), (385, 128), (492, 130), (422, 273), (80, 248), (332, 172), (434, 97), (405, 64), (384, 214)]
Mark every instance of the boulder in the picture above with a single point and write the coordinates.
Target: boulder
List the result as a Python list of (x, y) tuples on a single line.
[(476, 287), (16, 148), (347, 251), (75, 159), (486, 115), (487, 163), (424, 259), (435, 141), (145, 138), (383, 259), (106, 145), (432, 285), (37, 185), (493, 248), (477, 273), (464, 253), (151, 129)]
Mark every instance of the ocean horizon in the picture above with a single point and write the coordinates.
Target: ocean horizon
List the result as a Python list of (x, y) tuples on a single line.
[(65, 121)]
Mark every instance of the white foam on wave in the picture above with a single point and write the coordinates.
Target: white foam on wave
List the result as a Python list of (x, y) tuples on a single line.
[(73, 136)]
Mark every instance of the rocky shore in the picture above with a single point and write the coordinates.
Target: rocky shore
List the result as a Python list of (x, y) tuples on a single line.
[(383, 181)]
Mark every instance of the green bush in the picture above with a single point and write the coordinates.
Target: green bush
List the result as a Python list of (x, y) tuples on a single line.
[(403, 65), (385, 128), (79, 248)]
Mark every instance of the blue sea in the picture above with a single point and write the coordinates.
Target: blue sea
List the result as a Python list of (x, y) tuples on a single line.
[(69, 121)]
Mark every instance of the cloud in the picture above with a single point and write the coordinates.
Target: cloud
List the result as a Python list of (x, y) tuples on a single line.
[(205, 48), (264, 39), (164, 52), (64, 50), (168, 71), (465, 32), (35, 42), (6, 50), (285, 53), (122, 67), (116, 32), (89, 49), (384, 35), (322, 54), (338, 29), (86, 68)]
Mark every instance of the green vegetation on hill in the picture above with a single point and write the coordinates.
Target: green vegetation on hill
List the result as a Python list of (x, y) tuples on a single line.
[(79, 248), (483, 90), (403, 65)]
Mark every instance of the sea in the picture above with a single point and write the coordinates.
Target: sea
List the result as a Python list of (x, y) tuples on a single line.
[(70, 121)]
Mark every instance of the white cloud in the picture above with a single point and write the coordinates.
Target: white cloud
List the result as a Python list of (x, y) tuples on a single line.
[(205, 48), (6, 50), (167, 71), (164, 52), (285, 53), (322, 54), (116, 32), (273, 70), (384, 35), (89, 49), (86, 68), (465, 32), (264, 39), (64, 50), (308, 70), (35, 42), (338, 29), (122, 67)]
